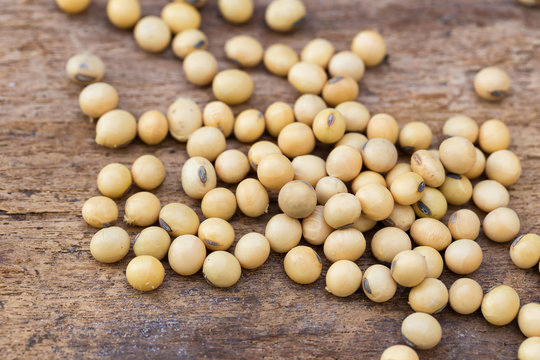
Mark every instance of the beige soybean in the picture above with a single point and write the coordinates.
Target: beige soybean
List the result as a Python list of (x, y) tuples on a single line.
[(153, 241), (500, 305), (421, 331), (187, 41), (415, 136), (376, 200), (244, 50), (309, 168), (340, 89), (402, 217), (284, 15), (142, 209), (114, 180), (302, 265), (492, 83), (407, 188), (344, 163), (307, 106), (344, 244), (318, 51), (186, 254), (259, 150), (529, 319), (327, 187), (297, 199), (236, 11), (388, 242), (307, 78), (315, 230), (152, 127), (356, 116), (397, 170), (489, 195), (110, 244), (430, 296), (503, 166), (409, 268), (145, 273), (152, 34), (457, 154), (525, 251), (465, 296), (98, 98), (252, 250), (399, 352), (232, 86), (184, 118), (148, 172), (207, 142), (464, 224), (219, 203), (426, 164), (431, 232), (123, 14), (219, 115), (100, 211), (461, 125), (198, 177), (342, 210), (283, 232), (221, 269), (463, 256), (370, 46), (279, 59), (343, 278), (479, 165), (178, 219), (378, 284), (367, 177), (200, 67), (432, 204), (529, 348), (274, 171), (180, 16), (116, 128), (252, 198), (73, 6), (249, 125), (493, 136), (232, 166), (434, 260), (296, 139), (85, 68), (346, 63), (216, 234), (457, 189), (363, 224), (383, 126), (277, 116), (380, 155), (501, 225)]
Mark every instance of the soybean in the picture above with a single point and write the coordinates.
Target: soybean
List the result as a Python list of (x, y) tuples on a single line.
[(110, 245), (198, 177), (184, 118), (219, 203)]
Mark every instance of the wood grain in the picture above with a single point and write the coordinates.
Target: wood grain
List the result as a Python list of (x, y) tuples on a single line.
[(56, 301)]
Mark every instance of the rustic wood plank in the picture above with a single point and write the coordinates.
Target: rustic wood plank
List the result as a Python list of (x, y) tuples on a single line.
[(56, 301)]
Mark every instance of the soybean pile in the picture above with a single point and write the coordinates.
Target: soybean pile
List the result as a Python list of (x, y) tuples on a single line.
[(327, 202)]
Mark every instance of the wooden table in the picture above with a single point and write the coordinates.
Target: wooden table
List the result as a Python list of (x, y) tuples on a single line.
[(57, 301)]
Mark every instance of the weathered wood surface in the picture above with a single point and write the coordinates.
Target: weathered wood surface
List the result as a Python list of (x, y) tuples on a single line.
[(56, 301)]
